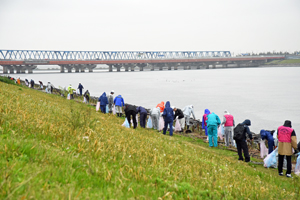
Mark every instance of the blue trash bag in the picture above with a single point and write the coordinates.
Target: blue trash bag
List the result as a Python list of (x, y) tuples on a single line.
[(107, 109), (126, 124), (271, 159), (149, 123)]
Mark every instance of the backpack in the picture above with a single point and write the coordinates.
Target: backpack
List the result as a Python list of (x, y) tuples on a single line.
[(238, 132)]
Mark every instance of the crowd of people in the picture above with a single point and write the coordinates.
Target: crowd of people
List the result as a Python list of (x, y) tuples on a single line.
[(284, 138)]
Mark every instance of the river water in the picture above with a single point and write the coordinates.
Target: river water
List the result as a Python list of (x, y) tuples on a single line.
[(266, 96)]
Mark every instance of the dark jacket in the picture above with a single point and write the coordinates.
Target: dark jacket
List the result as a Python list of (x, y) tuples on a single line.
[(178, 113), (103, 99), (80, 87), (140, 109), (128, 108), (246, 124), (168, 113)]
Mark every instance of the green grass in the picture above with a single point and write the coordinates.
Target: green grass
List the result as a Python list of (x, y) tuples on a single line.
[(280, 62), (53, 148)]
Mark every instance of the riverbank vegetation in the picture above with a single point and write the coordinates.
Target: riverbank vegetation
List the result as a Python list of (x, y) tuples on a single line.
[(284, 62), (54, 148)]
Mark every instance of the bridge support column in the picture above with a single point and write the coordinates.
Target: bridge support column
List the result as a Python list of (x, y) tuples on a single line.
[(31, 68), (110, 69), (160, 66), (126, 68), (198, 66), (206, 65), (18, 68), (132, 67), (118, 67), (62, 69), (225, 65), (11, 69), (4, 69), (152, 67), (91, 67), (169, 66), (82, 68), (76, 68)]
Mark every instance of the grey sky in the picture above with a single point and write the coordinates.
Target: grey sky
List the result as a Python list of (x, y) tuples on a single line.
[(235, 25)]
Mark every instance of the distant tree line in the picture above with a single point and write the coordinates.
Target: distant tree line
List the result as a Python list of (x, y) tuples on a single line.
[(270, 53)]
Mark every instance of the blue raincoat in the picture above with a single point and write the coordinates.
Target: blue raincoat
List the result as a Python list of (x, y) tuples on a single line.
[(119, 101), (103, 102), (266, 135), (213, 121), (168, 118), (206, 112)]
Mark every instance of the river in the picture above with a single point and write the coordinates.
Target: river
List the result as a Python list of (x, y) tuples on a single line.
[(266, 96)]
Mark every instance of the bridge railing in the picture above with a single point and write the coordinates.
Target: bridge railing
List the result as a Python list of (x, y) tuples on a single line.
[(107, 55)]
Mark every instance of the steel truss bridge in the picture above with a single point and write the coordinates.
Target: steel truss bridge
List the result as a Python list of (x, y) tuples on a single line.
[(21, 60)]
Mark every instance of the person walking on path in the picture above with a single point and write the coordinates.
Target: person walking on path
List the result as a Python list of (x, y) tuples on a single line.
[(180, 116), (228, 122), (286, 141), (49, 88), (204, 118), (161, 106), (103, 102), (187, 111), (87, 96), (213, 121), (155, 115), (32, 83), (110, 101), (143, 116), (80, 87), (168, 116), (119, 103), (242, 129), (130, 112)]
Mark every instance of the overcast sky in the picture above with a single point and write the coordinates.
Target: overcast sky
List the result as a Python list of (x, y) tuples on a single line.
[(115, 25)]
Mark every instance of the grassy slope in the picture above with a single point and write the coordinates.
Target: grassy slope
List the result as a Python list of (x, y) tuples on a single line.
[(281, 62), (43, 155)]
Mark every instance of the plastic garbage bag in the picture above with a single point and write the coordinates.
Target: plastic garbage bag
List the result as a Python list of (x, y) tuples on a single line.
[(69, 96), (149, 123), (114, 110), (177, 126), (271, 159), (137, 120), (161, 124), (98, 106), (84, 100), (297, 167), (107, 109), (220, 134), (126, 124), (263, 149)]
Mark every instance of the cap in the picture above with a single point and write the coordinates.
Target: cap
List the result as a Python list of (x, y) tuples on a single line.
[(112, 91)]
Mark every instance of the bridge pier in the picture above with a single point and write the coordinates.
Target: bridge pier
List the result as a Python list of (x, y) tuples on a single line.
[(91, 67), (4, 69), (126, 68), (152, 67), (110, 68), (62, 69), (11, 69)]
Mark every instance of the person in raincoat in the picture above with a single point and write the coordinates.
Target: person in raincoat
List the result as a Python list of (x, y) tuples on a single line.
[(143, 115), (268, 135), (213, 121), (87, 96), (155, 115), (228, 122), (103, 102), (187, 111), (19, 81), (168, 116), (110, 101), (130, 112), (41, 84), (80, 87), (119, 103), (161, 106), (204, 118), (287, 140), (242, 144), (180, 116), (32, 83), (26, 82), (71, 91)]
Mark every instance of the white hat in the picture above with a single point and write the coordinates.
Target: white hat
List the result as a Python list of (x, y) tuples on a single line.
[(112, 91)]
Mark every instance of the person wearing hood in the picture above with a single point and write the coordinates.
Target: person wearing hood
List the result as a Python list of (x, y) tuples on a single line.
[(228, 122), (87, 96), (71, 91), (41, 84), (49, 88), (143, 116), (19, 81), (168, 116), (180, 116), (32, 83), (286, 141), (119, 103), (161, 106), (242, 144), (204, 118), (268, 135), (187, 111), (80, 87), (130, 112), (213, 121), (103, 102), (110, 101), (26, 82), (155, 115)]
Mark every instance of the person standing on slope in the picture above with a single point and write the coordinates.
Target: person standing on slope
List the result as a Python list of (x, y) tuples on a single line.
[(228, 122), (242, 129), (130, 112), (103, 102), (180, 116), (119, 103), (204, 118), (213, 121), (187, 111), (155, 115), (168, 116), (110, 101), (80, 87), (161, 106), (143, 115)]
